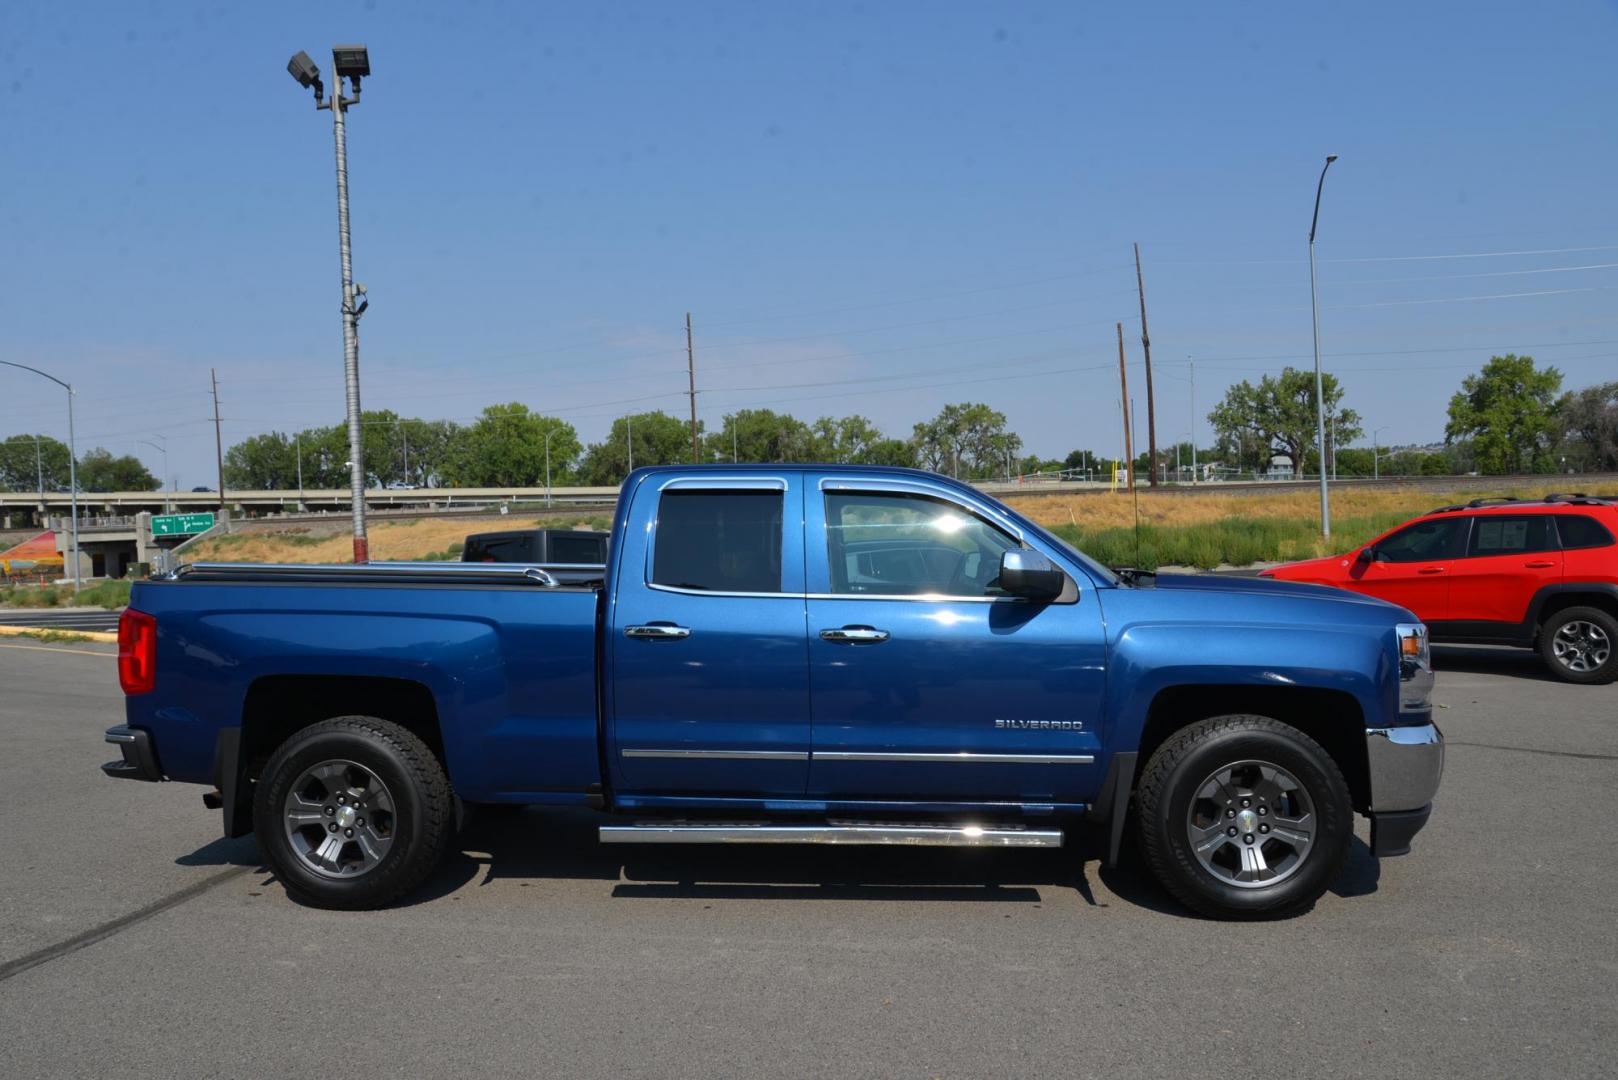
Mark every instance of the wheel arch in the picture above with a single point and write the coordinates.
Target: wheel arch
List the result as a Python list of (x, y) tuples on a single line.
[(1332, 718), (277, 706), (1562, 595)]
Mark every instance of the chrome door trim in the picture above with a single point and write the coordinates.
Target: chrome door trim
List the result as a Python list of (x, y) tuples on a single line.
[(717, 755), (925, 598), (725, 483), (719, 592), (961, 758), (902, 835)]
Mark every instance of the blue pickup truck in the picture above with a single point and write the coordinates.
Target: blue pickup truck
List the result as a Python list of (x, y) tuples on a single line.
[(792, 654)]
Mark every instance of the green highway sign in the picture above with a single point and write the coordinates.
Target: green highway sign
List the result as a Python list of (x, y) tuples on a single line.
[(180, 524)]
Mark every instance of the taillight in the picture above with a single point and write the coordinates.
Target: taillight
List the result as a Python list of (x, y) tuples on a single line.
[(137, 651)]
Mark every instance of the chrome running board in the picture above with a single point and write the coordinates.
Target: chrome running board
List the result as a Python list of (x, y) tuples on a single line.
[(903, 835)]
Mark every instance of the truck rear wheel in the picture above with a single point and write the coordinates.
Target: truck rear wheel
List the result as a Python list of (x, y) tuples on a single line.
[(1244, 817), (353, 812)]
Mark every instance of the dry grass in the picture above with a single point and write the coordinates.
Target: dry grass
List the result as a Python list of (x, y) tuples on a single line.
[(392, 540), (1117, 511), (1209, 529)]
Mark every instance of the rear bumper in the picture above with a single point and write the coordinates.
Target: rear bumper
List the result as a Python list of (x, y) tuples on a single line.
[(139, 761), (1406, 764)]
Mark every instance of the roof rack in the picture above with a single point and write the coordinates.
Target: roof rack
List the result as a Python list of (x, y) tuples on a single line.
[(1487, 499)]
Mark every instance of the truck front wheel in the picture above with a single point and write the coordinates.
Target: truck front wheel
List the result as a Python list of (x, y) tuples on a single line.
[(1244, 817), (353, 812)]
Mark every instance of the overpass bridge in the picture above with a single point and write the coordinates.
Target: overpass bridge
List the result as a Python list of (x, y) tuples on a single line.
[(19, 505)]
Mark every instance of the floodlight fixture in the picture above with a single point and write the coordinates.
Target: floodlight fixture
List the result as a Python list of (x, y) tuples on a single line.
[(352, 61), (307, 72)]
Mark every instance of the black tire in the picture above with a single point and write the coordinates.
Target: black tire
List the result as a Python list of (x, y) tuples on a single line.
[(1576, 648), (1167, 799), (419, 827)]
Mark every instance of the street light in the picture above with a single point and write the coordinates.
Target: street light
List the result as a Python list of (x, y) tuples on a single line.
[(72, 464), (1320, 393), (351, 62), (1376, 466), (165, 450)]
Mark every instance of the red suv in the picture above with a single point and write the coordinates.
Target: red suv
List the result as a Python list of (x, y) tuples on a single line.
[(1540, 574)]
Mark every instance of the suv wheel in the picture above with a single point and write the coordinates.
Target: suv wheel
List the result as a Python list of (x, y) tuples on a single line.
[(353, 812), (1581, 645), (1244, 817)]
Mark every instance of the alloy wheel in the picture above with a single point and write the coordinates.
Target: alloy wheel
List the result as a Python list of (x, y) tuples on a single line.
[(339, 819), (1251, 824), (1581, 646)]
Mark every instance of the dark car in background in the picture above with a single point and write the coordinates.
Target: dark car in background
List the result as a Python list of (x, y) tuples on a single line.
[(570, 554)]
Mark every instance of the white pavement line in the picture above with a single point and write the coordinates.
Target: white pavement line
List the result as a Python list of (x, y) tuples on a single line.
[(56, 648)]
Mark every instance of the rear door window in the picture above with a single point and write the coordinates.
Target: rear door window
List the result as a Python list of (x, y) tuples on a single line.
[(718, 541), (1424, 541), (1579, 531), (1501, 534)]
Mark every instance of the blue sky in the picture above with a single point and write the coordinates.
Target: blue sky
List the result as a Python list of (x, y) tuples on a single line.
[(867, 207)]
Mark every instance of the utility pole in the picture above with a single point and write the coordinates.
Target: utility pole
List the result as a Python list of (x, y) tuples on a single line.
[(629, 440), (691, 377), (297, 441), (218, 438), (1193, 364), (1146, 346), (1123, 382), (734, 456)]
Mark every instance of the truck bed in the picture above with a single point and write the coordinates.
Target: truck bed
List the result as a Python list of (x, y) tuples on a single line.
[(507, 662)]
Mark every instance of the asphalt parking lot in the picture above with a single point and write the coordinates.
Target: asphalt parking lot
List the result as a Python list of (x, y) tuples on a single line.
[(134, 942)]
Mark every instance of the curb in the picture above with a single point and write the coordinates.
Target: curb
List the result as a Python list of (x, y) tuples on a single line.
[(28, 631)]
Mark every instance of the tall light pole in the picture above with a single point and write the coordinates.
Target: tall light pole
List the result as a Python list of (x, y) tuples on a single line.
[(165, 451), (1376, 453), (1320, 392), (351, 62), (72, 464)]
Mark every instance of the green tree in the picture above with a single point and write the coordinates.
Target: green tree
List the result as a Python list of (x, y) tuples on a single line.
[(1278, 417), (262, 463), (99, 470), (1508, 411), (1588, 428), (764, 435), (20, 467), (660, 439), (506, 447), (968, 440)]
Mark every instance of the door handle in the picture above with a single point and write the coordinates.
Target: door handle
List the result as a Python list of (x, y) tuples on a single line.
[(1539, 565), (1431, 570), (658, 632), (855, 635)]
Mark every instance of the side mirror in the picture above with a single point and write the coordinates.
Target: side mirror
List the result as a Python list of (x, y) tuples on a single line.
[(1366, 554), (1031, 575)]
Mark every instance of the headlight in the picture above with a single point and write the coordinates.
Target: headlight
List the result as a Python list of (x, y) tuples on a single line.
[(1415, 668)]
